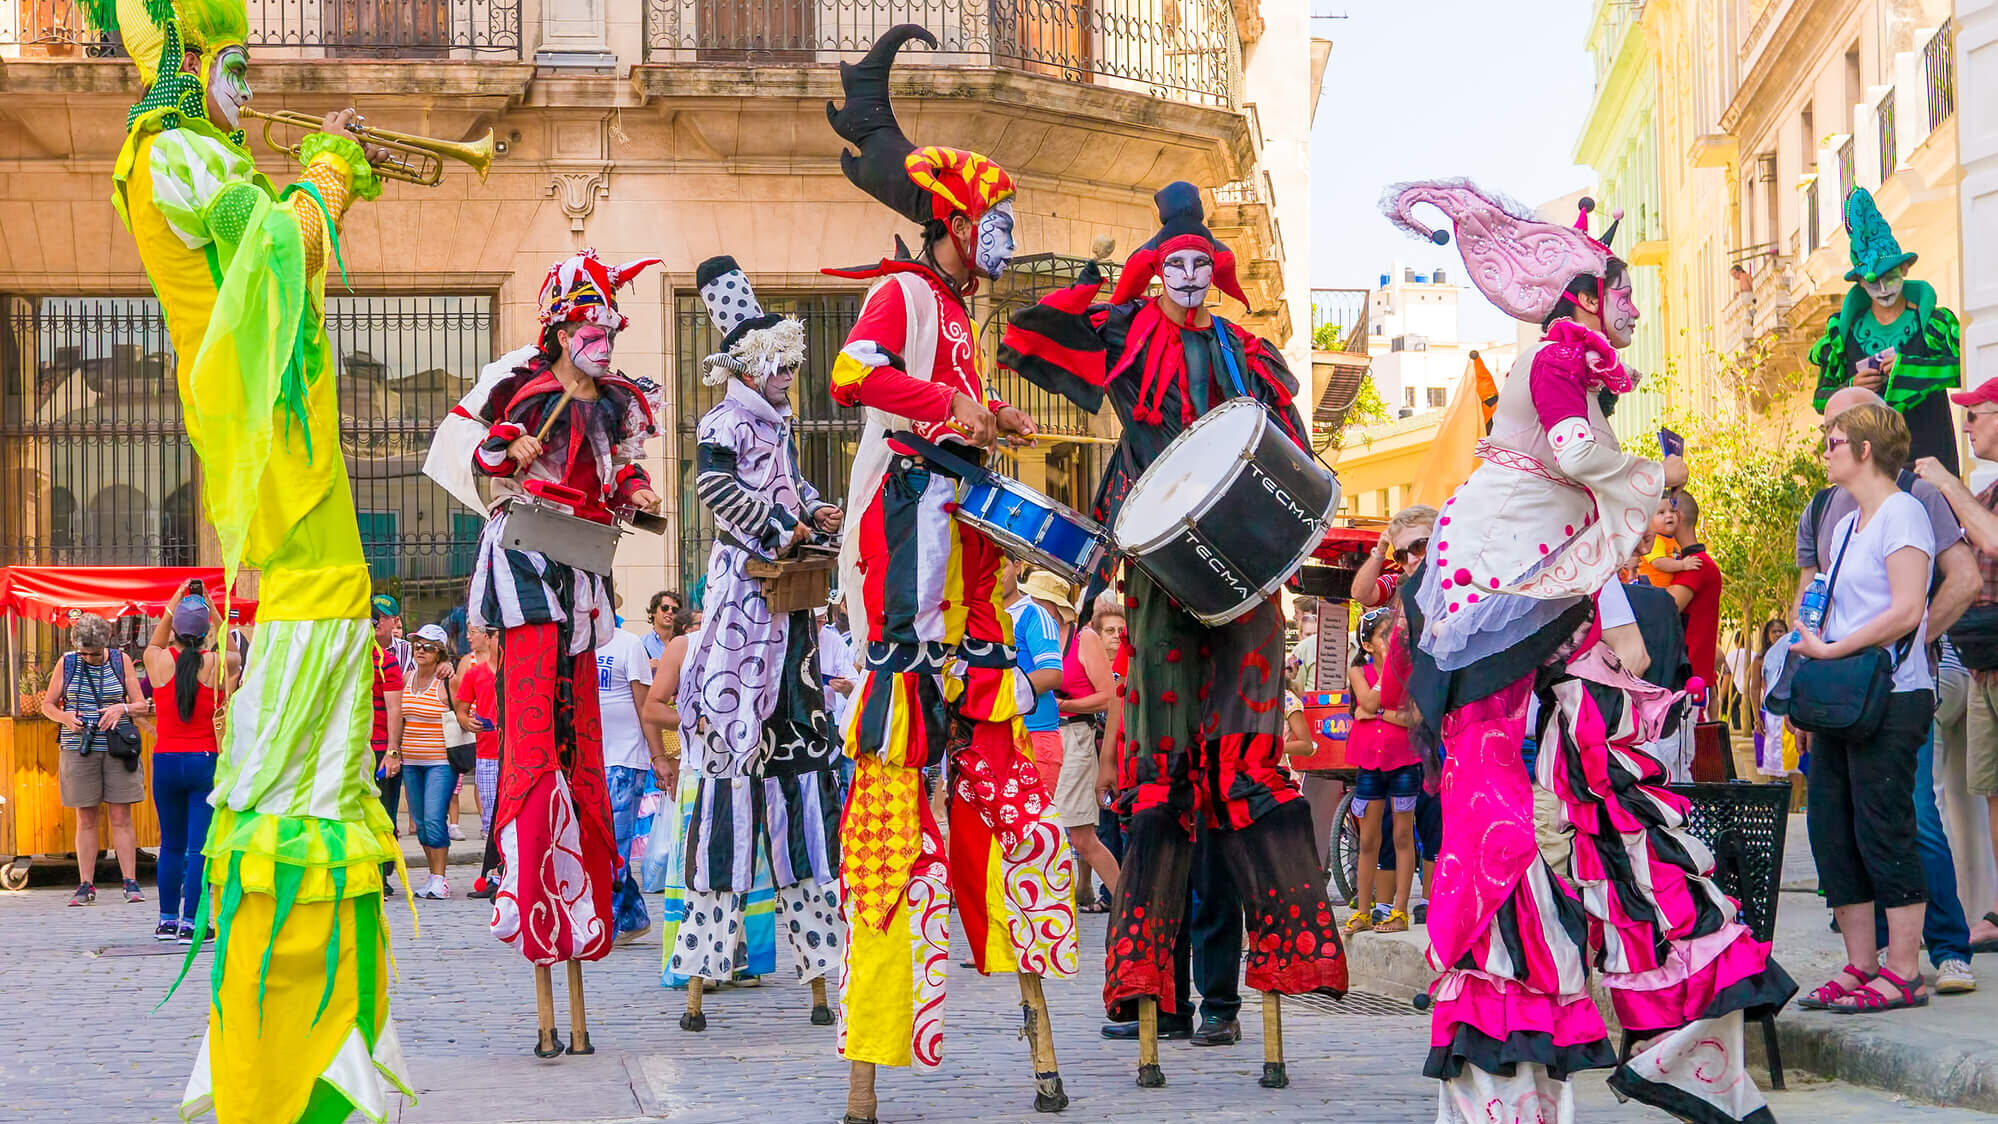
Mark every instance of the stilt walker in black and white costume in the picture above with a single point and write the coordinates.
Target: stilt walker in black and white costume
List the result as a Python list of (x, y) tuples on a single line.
[(754, 730)]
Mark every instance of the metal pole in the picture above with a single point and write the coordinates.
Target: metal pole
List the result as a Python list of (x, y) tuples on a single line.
[(13, 664)]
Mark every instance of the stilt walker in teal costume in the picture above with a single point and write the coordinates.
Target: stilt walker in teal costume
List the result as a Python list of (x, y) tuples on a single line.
[(1892, 337)]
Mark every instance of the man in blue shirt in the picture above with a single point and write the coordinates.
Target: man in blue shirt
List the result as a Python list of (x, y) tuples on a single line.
[(1037, 642)]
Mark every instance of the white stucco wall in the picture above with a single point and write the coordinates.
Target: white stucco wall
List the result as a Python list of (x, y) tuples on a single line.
[(1277, 79)]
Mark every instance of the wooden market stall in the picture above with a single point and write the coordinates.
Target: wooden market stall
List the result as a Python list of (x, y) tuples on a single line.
[(32, 818)]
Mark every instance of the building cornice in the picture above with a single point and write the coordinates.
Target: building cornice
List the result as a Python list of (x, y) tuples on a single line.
[(1794, 40)]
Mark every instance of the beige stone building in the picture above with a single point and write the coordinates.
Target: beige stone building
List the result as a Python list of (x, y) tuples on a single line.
[(1768, 112), (670, 128)]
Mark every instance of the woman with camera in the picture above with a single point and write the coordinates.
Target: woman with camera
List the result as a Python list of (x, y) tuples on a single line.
[(92, 696)]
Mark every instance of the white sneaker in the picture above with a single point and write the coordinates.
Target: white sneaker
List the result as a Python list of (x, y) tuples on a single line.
[(456, 832), (436, 889), (1953, 977)]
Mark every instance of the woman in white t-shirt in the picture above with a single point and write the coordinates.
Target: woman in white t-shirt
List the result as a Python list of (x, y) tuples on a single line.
[(1862, 811)]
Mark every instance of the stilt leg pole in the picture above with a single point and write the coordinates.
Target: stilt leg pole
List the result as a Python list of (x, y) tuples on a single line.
[(579, 1035), (1048, 1093), (1150, 1076), (861, 1106), (821, 1010), (1275, 1076), (547, 1044), (694, 1019)]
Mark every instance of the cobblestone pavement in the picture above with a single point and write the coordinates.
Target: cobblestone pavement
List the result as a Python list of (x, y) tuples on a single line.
[(89, 1047)]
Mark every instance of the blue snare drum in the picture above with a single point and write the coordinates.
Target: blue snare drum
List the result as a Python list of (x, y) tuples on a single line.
[(1031, 526)]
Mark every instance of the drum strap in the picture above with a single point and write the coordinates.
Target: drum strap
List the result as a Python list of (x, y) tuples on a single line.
[(967, 471)]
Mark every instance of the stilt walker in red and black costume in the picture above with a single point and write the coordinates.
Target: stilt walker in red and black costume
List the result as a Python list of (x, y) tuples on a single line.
[(567, 431), (1202, 706), (938, 678)]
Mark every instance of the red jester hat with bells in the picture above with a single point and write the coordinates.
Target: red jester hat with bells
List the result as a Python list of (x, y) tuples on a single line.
[(925, 185), (583, 289), (1182, 226)]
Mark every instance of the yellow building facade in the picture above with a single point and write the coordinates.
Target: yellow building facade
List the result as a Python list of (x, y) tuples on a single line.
[(1768, 112)]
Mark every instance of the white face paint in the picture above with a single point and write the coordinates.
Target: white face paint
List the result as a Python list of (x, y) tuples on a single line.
[(777, 388), (995, 240), (1887, 290), (1188, 274), (229, 86), (1619, 315), (590, 348)]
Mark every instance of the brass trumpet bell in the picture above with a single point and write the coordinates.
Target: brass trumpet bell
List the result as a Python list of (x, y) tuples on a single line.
[(417, 160)]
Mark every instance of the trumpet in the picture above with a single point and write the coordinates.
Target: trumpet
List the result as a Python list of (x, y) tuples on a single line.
[(417, 160)]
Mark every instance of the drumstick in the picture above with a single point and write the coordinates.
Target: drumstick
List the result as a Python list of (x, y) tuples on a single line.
[(1079, 438)]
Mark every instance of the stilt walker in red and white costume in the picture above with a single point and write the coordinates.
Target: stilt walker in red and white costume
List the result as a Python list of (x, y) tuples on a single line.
[(564, 430), (938, 677)]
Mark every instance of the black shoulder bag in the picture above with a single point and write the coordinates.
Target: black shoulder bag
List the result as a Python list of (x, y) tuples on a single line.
[(1844, 697)]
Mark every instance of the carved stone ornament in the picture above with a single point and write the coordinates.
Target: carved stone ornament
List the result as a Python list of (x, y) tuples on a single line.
[(578, 192)]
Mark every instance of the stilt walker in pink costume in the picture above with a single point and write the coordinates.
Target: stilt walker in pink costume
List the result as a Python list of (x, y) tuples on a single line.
[(1519, 603)]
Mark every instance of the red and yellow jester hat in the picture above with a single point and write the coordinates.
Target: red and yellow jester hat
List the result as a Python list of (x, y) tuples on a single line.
[(924, 185), (583, 289), (958, 181)]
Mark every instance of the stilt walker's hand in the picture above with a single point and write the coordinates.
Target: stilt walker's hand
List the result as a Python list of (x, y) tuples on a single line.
[(970, 417)]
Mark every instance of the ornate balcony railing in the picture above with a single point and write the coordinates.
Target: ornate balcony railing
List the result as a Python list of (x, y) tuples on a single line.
[(1848, 167), (1890, 153), (1939, 73), (1181, 50), (397, 29)]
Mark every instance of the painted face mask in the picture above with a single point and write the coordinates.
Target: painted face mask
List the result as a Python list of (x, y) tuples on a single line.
[(777, 388), (229, 86), (1619, 315), (1887, 290), (590, 349), (1188, 275), (995, 240)]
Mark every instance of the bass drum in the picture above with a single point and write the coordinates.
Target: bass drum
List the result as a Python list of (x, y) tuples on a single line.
[(1227, 513)]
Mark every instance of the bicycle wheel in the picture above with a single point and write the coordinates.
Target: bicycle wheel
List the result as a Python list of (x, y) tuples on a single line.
[(1344, 856)]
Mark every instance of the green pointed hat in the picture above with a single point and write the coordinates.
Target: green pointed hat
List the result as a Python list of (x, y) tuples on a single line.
[(1872, 246)]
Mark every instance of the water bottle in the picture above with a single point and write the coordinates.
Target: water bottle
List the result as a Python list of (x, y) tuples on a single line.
[(1812, 611)]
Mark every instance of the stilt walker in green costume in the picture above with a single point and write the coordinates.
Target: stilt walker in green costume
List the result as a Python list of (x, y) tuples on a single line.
[(1890, 336), (298, 1027)]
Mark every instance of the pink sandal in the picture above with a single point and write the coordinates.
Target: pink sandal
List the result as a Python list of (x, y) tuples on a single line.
[(1867, 999), (1831, 990)]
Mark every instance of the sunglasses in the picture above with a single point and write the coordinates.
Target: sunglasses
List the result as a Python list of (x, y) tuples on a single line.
[(1419, 546), (1832, 444), (423, 647)]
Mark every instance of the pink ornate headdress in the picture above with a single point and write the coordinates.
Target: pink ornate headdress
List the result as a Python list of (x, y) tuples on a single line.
[(1520, 263), (582, 288)]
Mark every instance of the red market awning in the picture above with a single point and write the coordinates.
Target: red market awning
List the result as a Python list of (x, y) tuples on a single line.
[(57, 594)]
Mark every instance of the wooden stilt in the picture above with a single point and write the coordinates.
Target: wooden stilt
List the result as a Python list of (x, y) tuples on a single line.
[(1150, 1076), (861, 1105), (1048, 1093), (579, 1035), (694, 1019), (821, 1010), (1275, 1076), (547, 1044)]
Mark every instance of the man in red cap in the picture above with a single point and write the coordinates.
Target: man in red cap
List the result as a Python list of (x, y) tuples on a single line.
[(1975, 634)]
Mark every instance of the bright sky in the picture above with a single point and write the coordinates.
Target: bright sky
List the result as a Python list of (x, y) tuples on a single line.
[(1424, 89)]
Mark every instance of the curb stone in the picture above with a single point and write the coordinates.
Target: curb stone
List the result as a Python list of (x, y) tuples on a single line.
[(1907, 1060)]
